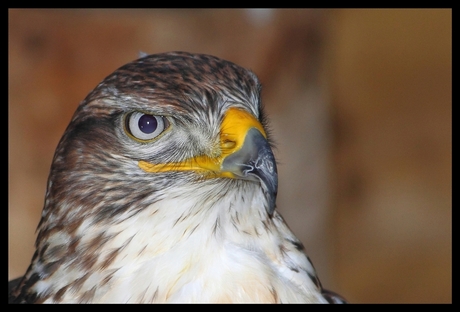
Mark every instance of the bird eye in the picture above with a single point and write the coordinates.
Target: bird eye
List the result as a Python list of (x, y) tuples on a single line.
[(144, 126)]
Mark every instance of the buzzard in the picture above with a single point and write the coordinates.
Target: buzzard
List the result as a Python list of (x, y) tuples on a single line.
[(163, 189)]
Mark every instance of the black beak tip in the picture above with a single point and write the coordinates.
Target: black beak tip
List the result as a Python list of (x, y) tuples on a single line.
[(264, 168), (255, 162)]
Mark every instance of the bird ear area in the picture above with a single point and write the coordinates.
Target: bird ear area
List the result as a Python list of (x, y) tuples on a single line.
[(144, 127)]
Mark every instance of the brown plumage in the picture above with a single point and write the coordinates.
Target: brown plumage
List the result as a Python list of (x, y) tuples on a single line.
[(163, 189)]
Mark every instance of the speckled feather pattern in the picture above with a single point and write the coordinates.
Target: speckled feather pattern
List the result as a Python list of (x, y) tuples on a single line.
[(111, 232)]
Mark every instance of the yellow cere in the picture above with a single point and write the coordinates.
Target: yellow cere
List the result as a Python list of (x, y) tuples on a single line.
[(233, 130)]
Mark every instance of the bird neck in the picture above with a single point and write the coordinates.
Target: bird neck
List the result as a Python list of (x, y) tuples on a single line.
[(172, 240)]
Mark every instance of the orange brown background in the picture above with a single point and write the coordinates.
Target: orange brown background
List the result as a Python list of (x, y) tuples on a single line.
[(361, 110)]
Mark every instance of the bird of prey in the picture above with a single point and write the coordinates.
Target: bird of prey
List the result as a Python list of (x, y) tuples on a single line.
[(163, 189)]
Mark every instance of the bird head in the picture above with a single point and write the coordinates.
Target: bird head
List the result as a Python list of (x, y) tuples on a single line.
[(162, 121), (163, 185)]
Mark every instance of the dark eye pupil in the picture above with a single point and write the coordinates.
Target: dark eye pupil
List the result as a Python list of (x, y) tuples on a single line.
[(148, 123)]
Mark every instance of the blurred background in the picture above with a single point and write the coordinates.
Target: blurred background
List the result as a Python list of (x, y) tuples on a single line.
[(361, 110)]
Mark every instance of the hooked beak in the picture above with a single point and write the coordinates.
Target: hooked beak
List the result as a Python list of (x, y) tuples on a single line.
[(244, 154)]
